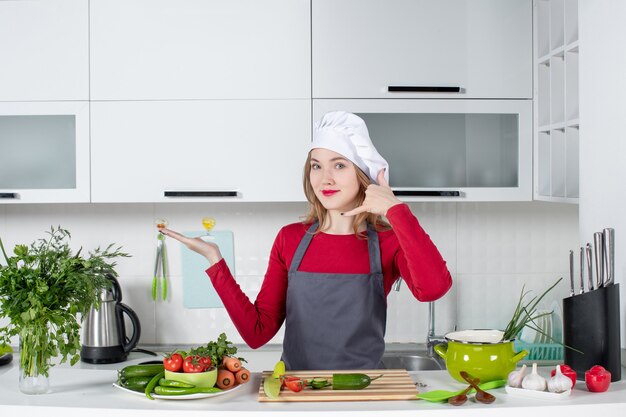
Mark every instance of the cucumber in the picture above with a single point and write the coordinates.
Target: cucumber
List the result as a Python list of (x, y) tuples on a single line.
[(351, 381), (132, 371), (161, 390), (319, 383), (137, 383)]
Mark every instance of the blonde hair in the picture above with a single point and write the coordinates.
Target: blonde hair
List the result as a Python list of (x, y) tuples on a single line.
[(317, 212)]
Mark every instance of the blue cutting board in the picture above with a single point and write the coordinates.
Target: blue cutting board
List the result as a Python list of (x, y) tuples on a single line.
[(198, 292)]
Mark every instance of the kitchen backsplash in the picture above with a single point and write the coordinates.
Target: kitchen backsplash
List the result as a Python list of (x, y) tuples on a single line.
[(492, 250)]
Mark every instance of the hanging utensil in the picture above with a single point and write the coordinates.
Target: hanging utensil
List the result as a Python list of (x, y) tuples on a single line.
[(609, 254), (160, 264), (589, 267)]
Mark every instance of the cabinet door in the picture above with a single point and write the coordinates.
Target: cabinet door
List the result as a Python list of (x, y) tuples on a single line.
[(200, 49), (44, 50), (362, 47), (480, 149), (199, 150), (44, 152)]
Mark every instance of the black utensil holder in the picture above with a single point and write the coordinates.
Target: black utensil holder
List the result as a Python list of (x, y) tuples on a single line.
[(591, 324)]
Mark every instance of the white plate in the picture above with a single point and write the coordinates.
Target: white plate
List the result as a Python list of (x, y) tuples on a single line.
[(179, 397), (544, 395)]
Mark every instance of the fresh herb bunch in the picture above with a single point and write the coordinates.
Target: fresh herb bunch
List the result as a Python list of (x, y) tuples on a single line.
[(216, 350), (525, 315), (43, 290)]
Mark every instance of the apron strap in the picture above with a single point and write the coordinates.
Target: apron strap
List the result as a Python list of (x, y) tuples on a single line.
[(373, 248)]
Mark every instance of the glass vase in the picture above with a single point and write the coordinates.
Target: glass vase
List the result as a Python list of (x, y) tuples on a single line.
[(34, 363)]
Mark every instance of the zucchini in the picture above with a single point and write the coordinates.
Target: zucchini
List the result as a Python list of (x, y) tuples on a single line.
[(137, 383), (351, 381), (132, 371)]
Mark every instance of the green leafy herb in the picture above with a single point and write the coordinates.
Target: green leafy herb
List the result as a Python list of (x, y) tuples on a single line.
[(44, 288), (216, 350)]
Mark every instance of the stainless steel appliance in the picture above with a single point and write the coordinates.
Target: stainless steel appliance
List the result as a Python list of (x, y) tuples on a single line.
[(104, 332)]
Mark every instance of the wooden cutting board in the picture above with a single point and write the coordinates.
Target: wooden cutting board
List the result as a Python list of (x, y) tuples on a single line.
[(395, 384)]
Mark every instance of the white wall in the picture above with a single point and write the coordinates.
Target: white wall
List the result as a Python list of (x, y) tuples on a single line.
[(492, 249), (602, 135)]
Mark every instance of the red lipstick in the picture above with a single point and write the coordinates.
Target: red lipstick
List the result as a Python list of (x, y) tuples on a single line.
[(328, 193)]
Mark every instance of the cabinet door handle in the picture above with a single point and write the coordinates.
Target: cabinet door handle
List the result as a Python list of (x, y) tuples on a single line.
[(421, 193), (9, 195), (200, 193), (422, 89)]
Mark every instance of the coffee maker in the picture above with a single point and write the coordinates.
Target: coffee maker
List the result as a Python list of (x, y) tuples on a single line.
[(104, 332)]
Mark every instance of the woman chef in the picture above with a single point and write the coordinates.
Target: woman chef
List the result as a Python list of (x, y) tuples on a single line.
[(328, 277)]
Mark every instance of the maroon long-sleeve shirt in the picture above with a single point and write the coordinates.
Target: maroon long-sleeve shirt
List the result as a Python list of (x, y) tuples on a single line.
[(406, 251)]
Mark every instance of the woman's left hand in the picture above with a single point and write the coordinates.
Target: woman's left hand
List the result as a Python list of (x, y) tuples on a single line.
[(378, 198)]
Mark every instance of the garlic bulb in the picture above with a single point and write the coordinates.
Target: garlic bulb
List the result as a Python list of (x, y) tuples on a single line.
[(534, 381), (559, 382), (515, 377)]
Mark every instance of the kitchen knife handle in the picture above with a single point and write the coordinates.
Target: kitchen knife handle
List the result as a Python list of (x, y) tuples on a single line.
[(582, 270), (9, 195), (431, 193), (422, 89), (571, 272), (599, 256), (589, 267), (200, 194), (609, 254)]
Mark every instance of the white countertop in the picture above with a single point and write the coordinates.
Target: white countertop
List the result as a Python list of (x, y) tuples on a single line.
[(87, 389)]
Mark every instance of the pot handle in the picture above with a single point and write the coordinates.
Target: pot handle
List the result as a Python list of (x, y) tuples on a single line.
[(134, 339), (519, 356), (442, 350)]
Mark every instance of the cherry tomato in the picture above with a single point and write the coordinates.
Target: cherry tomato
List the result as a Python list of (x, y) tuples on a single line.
[(598, 379), (206, 361), (293, 383), (191, 364), (173, 362), (568, 372)]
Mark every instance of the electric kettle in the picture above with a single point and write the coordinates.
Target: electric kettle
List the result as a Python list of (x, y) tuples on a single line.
[(104, 333)]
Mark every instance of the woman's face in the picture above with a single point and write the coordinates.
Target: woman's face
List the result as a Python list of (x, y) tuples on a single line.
[(333, 179)]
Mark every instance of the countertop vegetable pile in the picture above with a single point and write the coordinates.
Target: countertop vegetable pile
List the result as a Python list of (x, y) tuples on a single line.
[(151, 378)]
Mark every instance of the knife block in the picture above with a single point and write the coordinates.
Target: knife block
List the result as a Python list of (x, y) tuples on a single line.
[(591, 324)]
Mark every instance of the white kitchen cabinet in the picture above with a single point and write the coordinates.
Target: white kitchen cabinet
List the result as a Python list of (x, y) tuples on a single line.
[(449, 150), (44, 50), (200, 49), (44, 152), (361, 48), (198, 150), (556, 106)]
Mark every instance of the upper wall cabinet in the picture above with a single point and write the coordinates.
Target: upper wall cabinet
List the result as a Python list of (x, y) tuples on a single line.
[(200, 49), (44, 50), (199, 150), (422, 49)]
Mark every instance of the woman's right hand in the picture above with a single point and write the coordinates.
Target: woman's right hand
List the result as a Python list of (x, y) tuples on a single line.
[(207, 249)]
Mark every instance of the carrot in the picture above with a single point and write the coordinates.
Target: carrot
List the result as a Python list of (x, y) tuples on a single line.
[(231, 363), (242, 376), (225, 379)]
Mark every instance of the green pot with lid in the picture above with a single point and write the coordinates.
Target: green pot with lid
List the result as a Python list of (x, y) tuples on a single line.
[(481, 353)]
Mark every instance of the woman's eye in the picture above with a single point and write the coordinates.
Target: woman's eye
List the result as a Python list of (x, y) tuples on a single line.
[(340, 165), (315, 166)]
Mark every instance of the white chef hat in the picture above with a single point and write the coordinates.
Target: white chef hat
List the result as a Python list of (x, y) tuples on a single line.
[(346, 134)]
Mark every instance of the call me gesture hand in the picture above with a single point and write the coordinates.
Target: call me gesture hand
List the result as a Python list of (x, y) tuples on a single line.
[(378, 198)]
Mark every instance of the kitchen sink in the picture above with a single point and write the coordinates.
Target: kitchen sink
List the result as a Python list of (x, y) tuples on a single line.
[(411, 362)]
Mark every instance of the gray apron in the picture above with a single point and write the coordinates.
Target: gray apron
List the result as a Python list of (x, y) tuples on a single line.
[(335, 321)]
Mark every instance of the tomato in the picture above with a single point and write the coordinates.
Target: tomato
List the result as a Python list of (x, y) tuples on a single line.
[(568, 372), (293, 383), (597, 379), (206, 361), (191, 364), (173, 362)]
